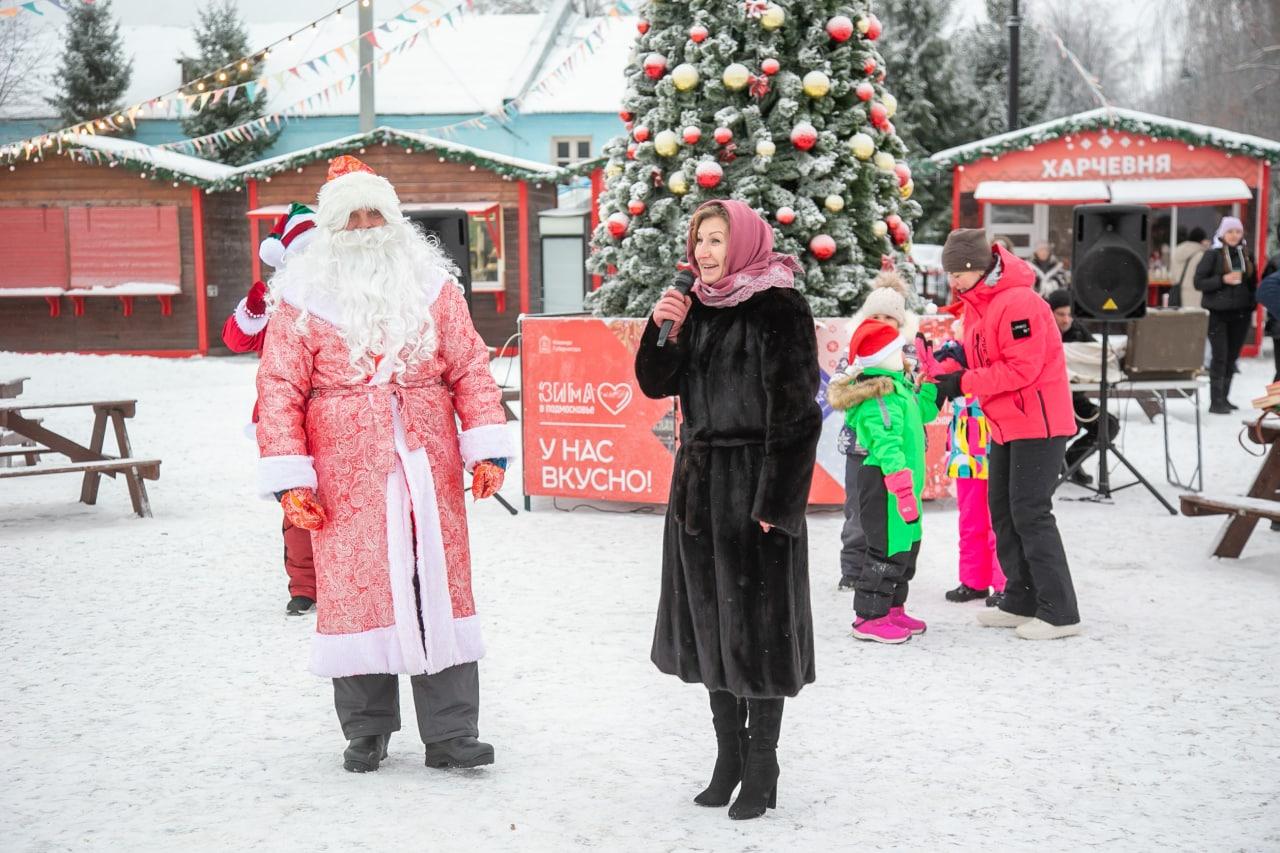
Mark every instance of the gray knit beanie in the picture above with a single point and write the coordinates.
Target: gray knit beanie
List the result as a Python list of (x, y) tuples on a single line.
[(966, 250)]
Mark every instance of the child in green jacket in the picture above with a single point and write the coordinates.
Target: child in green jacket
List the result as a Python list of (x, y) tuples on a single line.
[(888, 416)]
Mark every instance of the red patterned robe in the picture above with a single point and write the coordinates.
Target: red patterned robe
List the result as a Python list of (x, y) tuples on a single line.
[(386, 459)]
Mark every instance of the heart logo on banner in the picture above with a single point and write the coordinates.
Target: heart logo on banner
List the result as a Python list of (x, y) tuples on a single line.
[(614, 396)]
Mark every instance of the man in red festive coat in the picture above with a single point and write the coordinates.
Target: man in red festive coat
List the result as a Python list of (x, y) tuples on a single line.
[(245, 331), (370, 361)]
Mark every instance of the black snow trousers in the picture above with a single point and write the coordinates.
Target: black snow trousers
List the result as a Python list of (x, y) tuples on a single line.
[(1020, 485), (885, 579)]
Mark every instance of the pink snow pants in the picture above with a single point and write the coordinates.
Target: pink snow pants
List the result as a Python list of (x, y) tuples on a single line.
[(979, 567)]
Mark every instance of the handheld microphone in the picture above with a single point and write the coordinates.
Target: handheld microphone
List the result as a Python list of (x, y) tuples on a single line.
[(683, 282)]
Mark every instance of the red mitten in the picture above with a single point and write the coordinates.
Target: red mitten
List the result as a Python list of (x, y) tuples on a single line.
[(673, 306), (302, 509), (256, 302), (900, 486), (486, 480)]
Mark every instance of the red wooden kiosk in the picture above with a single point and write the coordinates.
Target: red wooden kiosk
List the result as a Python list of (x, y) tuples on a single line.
[(1022, 185)]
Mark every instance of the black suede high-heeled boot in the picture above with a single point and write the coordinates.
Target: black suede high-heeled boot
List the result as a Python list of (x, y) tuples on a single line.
[(760, 775), (729, 716)]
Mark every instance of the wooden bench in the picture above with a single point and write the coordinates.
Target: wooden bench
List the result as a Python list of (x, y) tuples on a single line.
[(89, 461), (1262, 502), (29, 452)]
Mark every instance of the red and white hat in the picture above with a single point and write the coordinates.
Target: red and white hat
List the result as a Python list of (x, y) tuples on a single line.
[(873, 342), (351, 185), (291, 233)]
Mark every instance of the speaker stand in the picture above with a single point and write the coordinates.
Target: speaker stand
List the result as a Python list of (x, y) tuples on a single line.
[(1106, 444)]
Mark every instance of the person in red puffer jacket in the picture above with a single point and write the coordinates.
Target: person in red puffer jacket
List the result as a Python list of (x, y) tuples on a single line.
[(1017, 370), (245, 331)]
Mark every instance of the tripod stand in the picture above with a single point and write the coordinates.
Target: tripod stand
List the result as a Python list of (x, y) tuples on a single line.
[(1106, 444)]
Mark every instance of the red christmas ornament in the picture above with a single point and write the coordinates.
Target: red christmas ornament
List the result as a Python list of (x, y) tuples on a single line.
[(869, 67), (889, 128), (893, 220), (865, 91), (804, 136), (822, 247), (617, 224), (708, 174), (901, 235), (635, 206), (723, 135), (692, 135), (903, 171), (643, 26), (655, 65), (771, 66), (698, 34), (728, 153), (631, 152), (627, 115), (785, 215), (641, 133), (874, 30), (840, 28), (879, 115)]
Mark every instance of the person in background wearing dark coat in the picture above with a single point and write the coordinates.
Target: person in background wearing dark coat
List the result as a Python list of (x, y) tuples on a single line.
[(1228, 278), (1087, 414), (1051, 275), (733, 613), (1017, 370)]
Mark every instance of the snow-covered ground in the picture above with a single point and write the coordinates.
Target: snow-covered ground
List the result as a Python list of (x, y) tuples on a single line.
[(154, 695)]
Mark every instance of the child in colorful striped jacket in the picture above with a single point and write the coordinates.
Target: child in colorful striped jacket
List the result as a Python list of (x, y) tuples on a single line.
[(968, 445)]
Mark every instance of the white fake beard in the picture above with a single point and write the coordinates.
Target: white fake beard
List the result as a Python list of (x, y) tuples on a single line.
[(380, 284)]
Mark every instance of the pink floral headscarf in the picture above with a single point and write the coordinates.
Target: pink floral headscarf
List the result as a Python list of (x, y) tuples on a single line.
[(750, 263)]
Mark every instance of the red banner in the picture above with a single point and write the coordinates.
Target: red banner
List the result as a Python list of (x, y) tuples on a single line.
[(589, 433)]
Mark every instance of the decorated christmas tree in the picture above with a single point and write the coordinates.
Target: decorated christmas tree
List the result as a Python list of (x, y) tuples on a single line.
[(782, 105)]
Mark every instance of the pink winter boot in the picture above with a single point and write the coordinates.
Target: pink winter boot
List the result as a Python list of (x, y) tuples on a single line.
[(882, 630), (898, 615)]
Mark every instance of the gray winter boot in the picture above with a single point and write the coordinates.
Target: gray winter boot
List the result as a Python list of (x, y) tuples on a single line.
[(463, 751)]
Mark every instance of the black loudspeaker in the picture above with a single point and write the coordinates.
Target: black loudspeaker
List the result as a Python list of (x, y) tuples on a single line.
[(453, 229), (1109, 261)]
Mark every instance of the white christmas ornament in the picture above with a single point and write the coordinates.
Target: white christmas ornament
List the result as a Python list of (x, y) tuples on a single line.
[(766, 148), (862, 146), (833, 203), (736, 76), (666, 143), (684, 76), (884, 161)]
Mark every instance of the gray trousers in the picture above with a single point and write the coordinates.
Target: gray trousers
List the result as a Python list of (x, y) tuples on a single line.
[(853, 542), (447, 704)]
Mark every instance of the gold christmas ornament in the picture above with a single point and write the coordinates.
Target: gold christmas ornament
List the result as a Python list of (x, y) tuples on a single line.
[(884, 161), (677, 183), (736, 76), (862, 146), (890, 104), (613, 170), (833, 203), (816, 84), (666, 143), (863, 25), (879, 228), (766, 148), (684, 76), (907, 189), (773, 18)]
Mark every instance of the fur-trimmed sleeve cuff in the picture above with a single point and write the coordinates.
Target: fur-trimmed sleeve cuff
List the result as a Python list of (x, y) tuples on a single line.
[(492, 441), (248, 323), (278, 473)]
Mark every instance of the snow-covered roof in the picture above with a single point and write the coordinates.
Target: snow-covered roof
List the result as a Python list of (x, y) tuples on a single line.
[(1180, 191), (998, 191), (138, 154), (475, 65), (1138, 122), (503, 163)]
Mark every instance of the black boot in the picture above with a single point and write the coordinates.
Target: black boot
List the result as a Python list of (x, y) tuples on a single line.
[(299, 605), (729, 716), (463, 751), (1218, 397), (760, 775), (364, 754), (1226, 391), (965, 592)]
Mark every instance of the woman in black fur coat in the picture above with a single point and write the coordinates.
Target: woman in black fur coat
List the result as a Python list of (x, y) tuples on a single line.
[(734, 611)]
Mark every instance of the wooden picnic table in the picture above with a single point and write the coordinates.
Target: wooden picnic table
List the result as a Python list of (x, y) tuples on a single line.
[(1262, 501), (89, 461)]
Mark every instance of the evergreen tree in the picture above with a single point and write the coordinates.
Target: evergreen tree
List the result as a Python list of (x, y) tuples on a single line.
[(984, 51), (936, 107), (223, 43), (781, 105), (94, 72)]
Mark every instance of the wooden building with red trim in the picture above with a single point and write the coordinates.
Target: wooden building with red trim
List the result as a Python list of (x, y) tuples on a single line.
[(113, 247)]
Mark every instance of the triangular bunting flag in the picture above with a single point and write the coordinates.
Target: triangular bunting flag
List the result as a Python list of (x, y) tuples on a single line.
[(294, 71), (31, 7), (372, 39), (251, 90), (311, 65), (342, 53)]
